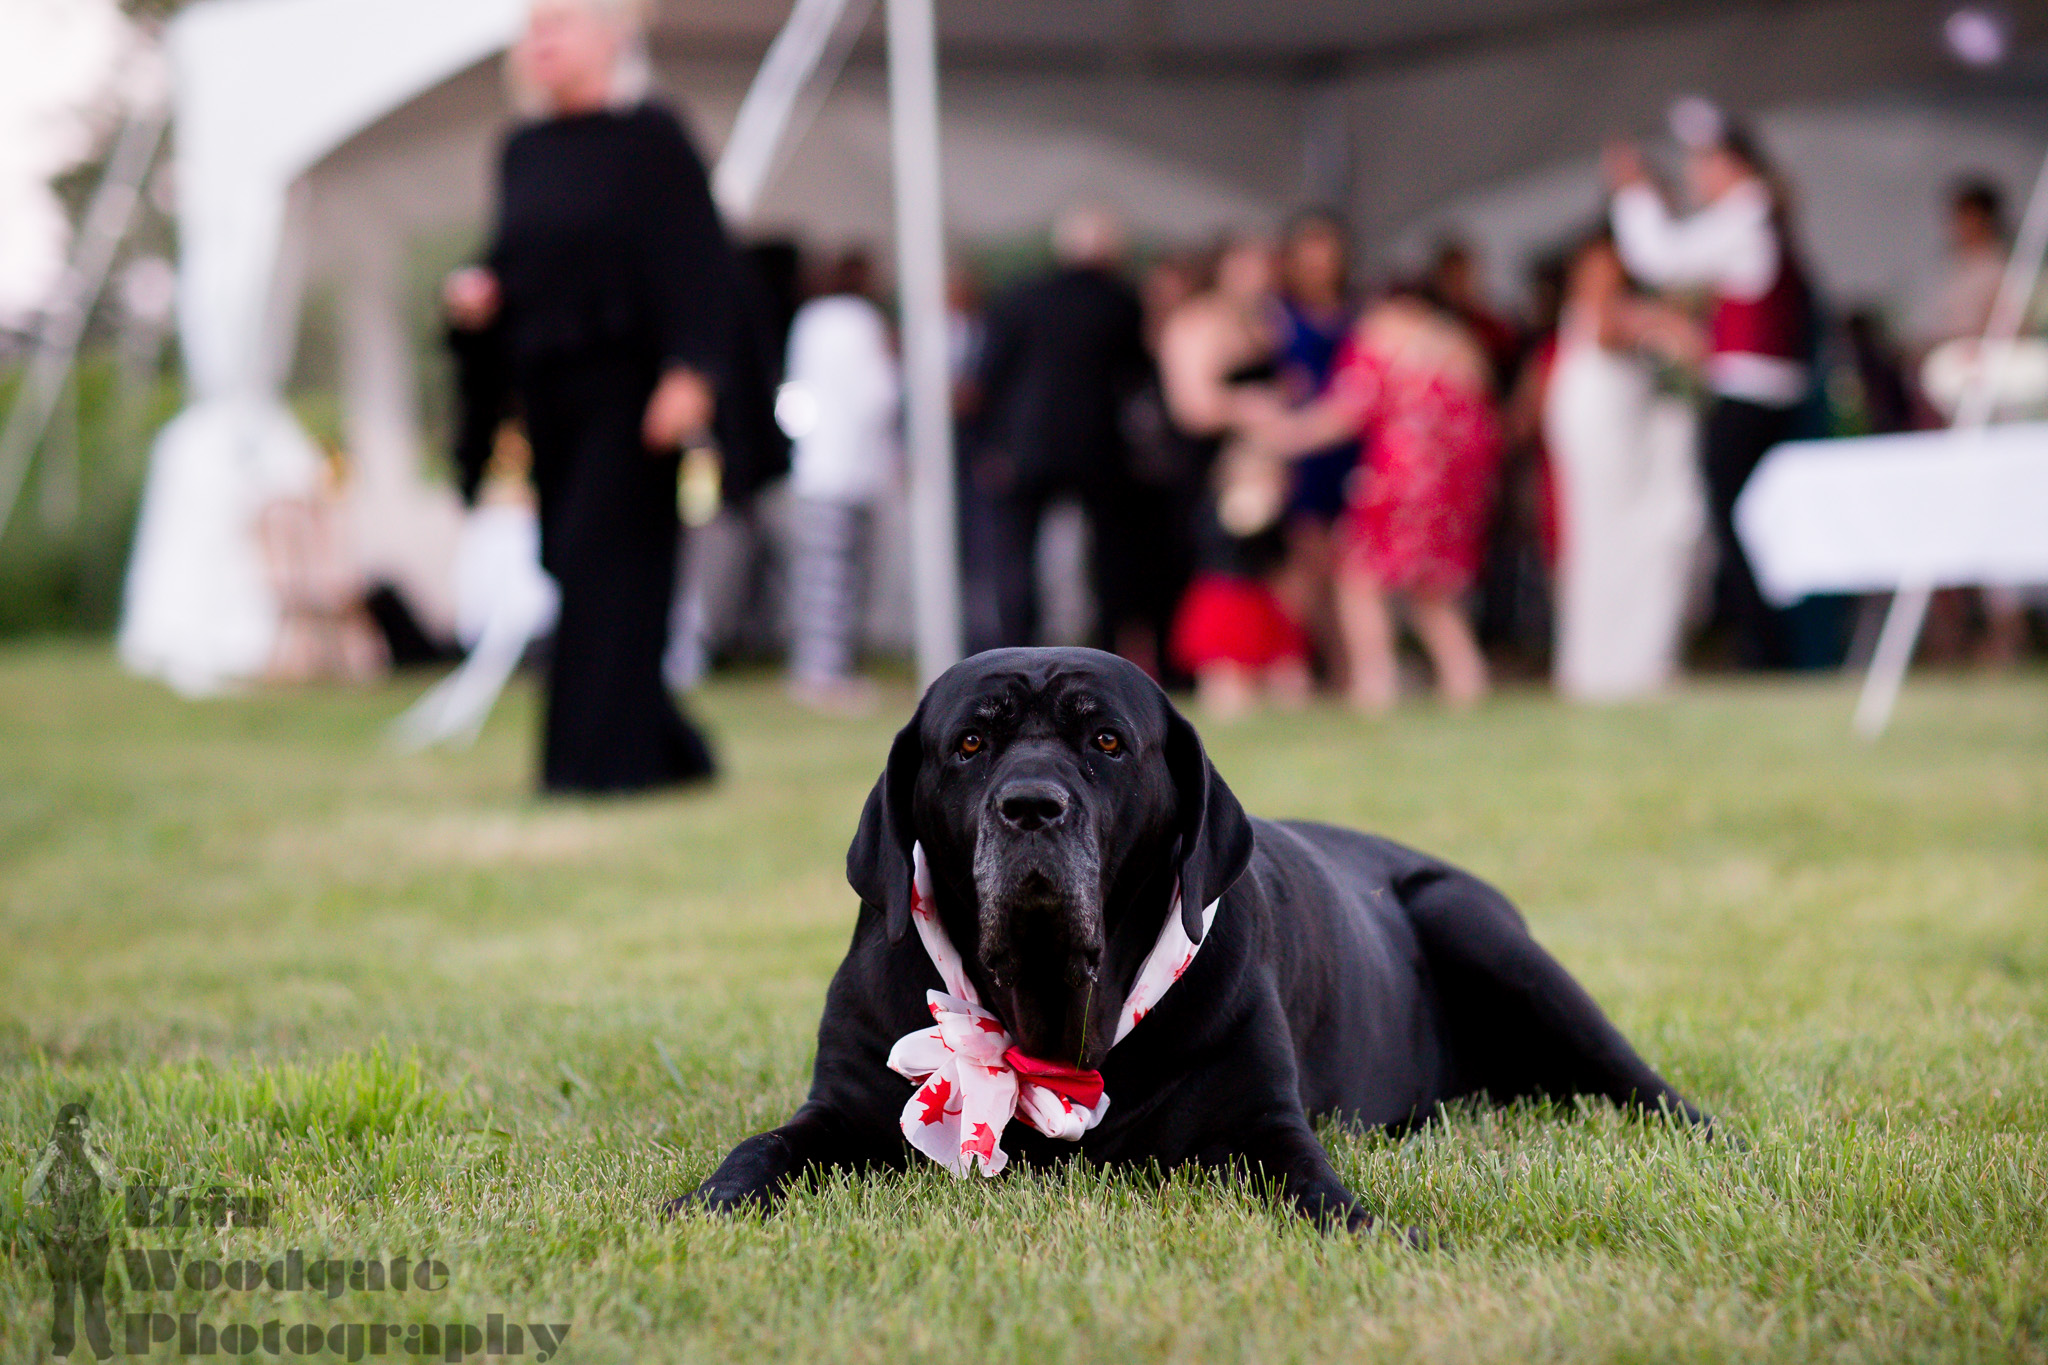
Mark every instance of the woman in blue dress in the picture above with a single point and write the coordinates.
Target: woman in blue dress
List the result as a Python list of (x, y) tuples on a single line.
[(1316, 313)]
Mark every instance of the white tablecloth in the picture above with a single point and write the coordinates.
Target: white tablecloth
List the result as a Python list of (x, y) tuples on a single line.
[(200, 612), (1870, 513)]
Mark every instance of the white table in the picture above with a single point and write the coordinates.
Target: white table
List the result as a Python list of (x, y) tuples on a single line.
[(1906, 513), (1867, 514)]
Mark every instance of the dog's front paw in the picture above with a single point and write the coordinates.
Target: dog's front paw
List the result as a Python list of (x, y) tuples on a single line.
[(753, 1176), (714, 1196)]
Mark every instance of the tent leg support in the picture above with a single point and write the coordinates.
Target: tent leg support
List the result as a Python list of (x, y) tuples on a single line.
[(921, 280), (1895, 644)]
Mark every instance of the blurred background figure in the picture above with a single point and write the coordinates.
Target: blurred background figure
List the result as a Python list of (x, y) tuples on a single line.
[(1218, 362), (729, 567), (610, 289), (1960, 303), (1511, 597), (325, 629), (966, 343), (1456, 282), (1515, 609), (1063, 353), (1165, 481), (504, 601), (1316, 311), (1737, 246), (1170, 280), (840, 401), (1884, 400), (1957, 310), (1416, 386), (1624, 450), (966, 336)]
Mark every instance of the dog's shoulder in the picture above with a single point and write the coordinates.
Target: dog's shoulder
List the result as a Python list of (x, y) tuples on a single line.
[(1319, 883), (1293, 856)]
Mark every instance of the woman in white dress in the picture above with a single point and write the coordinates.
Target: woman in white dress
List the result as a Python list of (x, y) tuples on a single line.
[(1631, 505)]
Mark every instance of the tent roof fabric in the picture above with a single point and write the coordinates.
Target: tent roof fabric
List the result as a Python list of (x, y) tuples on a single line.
[(1308, 39)]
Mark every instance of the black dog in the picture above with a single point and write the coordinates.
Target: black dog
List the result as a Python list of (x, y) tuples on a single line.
[(1060, 799)]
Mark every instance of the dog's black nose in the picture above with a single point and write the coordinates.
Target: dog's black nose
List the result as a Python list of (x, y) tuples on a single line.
[(1032, 805)]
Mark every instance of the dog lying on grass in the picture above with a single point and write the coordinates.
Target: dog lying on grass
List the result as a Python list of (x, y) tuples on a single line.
[(1071, 936)]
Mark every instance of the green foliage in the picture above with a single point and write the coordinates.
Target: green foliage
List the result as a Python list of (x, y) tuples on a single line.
[(356, 1096), (427, 1013), (61, 571)]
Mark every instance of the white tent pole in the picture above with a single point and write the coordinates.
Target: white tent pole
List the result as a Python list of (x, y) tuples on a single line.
[(2008, 312), (106, 223), (921, 286), (1973, 413), (807, 53)]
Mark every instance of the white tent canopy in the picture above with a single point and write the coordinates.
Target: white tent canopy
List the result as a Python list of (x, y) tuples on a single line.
[(317, 136), (264, 89)]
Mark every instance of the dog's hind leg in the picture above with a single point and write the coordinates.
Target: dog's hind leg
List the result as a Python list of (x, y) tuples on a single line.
[(1518, 1024)]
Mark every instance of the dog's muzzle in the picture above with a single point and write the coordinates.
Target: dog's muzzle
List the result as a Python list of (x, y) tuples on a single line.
[(1037, 876)]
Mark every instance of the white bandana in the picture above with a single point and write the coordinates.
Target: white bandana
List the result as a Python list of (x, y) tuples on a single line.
[(971, 1079)]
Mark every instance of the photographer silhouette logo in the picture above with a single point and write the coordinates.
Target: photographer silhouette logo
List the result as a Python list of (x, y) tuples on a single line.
[(67, 1195)]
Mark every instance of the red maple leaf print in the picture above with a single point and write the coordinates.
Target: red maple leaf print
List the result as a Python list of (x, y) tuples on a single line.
[(1137, 1016), (933, 1006), (1185, 963), (934, 1098), (988, 1026), (983, 1143)]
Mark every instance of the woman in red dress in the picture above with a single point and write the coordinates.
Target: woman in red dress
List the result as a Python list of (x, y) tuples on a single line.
[(1414, 387)]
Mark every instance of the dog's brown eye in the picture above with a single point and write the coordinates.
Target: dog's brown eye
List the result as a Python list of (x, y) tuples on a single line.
[(1107, 741), (970, 745)]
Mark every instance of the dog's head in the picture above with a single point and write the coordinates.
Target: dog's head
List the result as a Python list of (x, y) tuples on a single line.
[(1059, 798)]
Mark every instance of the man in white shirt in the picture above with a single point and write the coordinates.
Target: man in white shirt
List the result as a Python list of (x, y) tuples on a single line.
[(1733, 246)]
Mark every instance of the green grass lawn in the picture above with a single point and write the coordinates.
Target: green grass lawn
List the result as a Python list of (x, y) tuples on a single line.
[(424, 1013)]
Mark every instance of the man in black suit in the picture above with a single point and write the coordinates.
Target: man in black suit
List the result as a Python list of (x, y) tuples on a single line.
[(1064, 352)]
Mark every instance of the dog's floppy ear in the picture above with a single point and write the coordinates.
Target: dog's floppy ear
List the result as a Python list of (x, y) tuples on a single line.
[(1215, 834), (878, 861)]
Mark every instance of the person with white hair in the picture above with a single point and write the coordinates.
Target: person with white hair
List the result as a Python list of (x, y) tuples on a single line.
[(609, 298), (1735, 244)]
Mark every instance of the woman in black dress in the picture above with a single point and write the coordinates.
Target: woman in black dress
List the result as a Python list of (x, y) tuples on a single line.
[(607, 306)]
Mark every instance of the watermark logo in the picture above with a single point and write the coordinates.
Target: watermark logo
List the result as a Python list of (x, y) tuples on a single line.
[(351, 1341), (162, 1206), (294, 1272), (67, 1187), (67, 1194)]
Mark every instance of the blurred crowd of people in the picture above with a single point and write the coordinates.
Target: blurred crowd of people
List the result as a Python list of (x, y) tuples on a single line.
[(1283, 467)]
